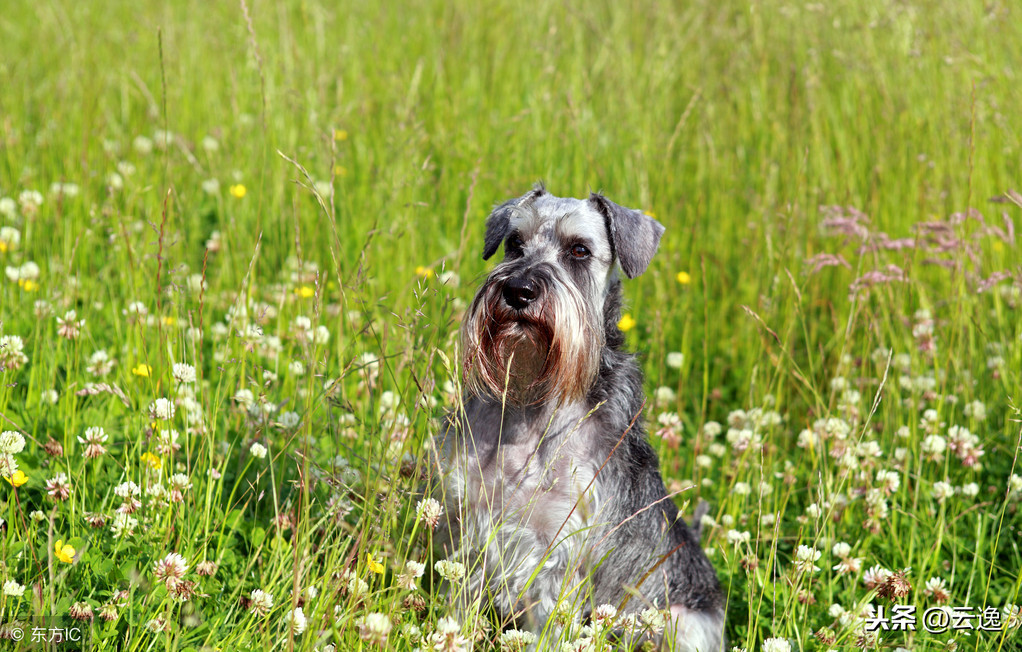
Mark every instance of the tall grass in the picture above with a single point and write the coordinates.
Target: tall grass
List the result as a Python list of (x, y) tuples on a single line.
[(230, 169)]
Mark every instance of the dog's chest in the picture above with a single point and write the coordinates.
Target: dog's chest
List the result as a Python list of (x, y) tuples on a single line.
[(540, 481)]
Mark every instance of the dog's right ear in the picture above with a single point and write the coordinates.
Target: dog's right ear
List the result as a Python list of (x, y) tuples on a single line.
[(498, 224)]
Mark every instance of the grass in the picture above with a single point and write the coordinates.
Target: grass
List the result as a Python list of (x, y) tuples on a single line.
[(347, 158)]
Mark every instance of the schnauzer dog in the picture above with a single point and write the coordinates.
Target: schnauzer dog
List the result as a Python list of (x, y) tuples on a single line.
[(553, 494)]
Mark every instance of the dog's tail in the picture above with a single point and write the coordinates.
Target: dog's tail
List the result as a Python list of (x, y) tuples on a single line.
[(702, 509)]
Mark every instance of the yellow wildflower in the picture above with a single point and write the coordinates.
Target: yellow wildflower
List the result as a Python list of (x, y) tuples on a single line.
[(340, 134), (649, 214), (340, 171), (238, 190), (424, 272), (169, 320), (19, 478), (627, 323), (154, 462), (28, 285), (305, 291), (998, 246), (684, 278), (142, 370), (64, 553), (374, 565)]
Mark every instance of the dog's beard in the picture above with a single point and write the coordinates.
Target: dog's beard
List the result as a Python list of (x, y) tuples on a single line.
[(549, 352)]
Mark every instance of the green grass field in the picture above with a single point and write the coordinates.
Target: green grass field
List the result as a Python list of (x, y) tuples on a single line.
[(286, 200)]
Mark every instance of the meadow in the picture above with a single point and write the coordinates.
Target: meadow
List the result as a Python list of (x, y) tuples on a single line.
[(238, 239)]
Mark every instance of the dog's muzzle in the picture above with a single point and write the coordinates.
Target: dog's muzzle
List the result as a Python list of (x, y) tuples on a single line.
[(520, 292)]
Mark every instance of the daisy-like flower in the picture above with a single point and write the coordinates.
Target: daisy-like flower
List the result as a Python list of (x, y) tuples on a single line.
[(69, 326), (94, 439), (260, 602), (171, 569), (58, 487), (429, 512)]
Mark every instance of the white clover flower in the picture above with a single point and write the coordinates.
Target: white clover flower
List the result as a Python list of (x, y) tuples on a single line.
[(375, 627), (934, 446), (664, 396), (805, 558), (245, 398), (776, 645), (258, 450), (289, 420), (515, 640), (127, 489), (8, 207), (942, 491), (675, 359), (123, 525), (451, 571), (184, 373), (321, 335), (977, 410), (297, 621), (162, 409), (841, 549), (49, 396), (735, 537), (970, 490), (13, 589), (10, 238), (260, 602), (171, 569), (11, 442)]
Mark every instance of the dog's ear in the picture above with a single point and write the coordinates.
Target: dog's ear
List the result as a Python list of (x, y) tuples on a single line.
[(634, 234), (499, 222)]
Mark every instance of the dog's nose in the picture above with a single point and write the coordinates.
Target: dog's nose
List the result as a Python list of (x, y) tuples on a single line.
[(520, 292)]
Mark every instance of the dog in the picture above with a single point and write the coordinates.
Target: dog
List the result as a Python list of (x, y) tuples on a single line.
[(552, 493)]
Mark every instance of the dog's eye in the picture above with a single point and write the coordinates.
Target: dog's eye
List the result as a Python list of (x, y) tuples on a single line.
[(516, 241), (579, 251)]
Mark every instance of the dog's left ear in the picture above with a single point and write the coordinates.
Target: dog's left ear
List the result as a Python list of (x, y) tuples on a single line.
[(499, 222), (634, 234)]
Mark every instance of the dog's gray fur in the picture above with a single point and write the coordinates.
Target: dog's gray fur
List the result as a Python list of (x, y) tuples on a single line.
[(552, 491)]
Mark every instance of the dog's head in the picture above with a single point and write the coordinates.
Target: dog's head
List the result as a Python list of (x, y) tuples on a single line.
[(535, 330)]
